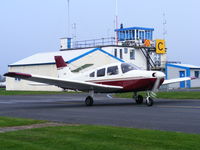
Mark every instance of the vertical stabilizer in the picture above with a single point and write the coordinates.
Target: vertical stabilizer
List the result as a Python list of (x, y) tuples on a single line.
[(63, 69)]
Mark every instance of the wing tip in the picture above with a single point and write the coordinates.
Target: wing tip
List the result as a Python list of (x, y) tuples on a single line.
[(16, 74), (193, 78)]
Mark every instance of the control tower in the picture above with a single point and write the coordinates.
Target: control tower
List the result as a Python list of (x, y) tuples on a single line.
[(134, 36)]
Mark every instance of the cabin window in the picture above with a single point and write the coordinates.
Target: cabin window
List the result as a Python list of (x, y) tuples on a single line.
[(132, 54), (112, 70), (101, 72), (92, 74)]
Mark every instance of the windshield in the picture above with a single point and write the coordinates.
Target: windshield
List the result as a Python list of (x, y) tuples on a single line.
[(128, 67)]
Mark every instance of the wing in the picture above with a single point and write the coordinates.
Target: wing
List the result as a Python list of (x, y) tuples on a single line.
[(170, 81), (66, 83)]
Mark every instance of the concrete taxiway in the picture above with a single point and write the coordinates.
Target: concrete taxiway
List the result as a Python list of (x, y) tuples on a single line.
[(169, 115)]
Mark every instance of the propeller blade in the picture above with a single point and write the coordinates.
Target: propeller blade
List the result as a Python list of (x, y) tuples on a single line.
[(158, 76), (156, 85)]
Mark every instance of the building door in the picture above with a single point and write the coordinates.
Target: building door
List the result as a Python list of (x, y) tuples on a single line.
[(182, 74)]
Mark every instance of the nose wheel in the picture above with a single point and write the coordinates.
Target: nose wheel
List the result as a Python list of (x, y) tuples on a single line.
[(149, 101), (139, 99)]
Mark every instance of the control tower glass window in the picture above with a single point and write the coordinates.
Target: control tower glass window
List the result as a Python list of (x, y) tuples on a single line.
[(137, 34), (133, 35)]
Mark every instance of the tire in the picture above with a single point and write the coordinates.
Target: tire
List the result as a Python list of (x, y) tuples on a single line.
[(149, 101), (89, 101), (139, 99)]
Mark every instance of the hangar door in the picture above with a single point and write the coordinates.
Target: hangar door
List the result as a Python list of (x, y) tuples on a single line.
[(182, 74)]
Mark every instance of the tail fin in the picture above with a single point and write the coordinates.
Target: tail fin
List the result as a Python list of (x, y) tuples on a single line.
[(63, 69)]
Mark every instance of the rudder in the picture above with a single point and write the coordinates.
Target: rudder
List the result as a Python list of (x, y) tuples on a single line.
[(63, 69)]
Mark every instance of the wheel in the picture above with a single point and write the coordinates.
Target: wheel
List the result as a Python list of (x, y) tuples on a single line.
[(139, 99), (89, 101), (149, 101)]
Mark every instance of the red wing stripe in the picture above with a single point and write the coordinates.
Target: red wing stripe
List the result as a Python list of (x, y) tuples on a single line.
[(16, 74)]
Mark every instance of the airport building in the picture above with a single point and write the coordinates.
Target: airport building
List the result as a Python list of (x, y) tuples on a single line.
[(183, 70), (134, 45)]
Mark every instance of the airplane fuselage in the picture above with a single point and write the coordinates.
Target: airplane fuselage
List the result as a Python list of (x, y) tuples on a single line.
[(131, 80)]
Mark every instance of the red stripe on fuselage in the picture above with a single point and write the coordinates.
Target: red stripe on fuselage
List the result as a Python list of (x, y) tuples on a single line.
[(142, 84)]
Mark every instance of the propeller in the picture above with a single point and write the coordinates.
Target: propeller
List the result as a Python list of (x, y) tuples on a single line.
[(158, 76)]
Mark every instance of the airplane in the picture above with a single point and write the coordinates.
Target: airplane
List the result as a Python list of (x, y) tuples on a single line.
[(113, 78)]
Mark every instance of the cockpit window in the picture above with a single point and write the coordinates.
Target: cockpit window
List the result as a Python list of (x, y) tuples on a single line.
[(112, 70), (128, 67)]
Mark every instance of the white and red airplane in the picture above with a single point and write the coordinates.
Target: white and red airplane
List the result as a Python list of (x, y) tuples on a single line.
[(112, 78)]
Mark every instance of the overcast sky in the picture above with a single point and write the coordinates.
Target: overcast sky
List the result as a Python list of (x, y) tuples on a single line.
[(31, 26)]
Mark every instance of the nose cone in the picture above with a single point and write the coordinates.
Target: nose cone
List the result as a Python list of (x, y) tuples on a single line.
[(159, 74)]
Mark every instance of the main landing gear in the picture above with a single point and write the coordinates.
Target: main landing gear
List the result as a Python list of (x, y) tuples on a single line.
[(89, 100), (139, 99)]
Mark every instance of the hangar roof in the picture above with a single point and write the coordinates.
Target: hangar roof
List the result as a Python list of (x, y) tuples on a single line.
[(48, 57), (184, 66)]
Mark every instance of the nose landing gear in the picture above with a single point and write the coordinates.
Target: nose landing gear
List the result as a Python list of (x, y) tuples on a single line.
[(149, 101), (139, 99)]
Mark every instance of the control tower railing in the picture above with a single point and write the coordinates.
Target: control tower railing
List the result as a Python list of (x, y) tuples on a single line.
[(94, 42)]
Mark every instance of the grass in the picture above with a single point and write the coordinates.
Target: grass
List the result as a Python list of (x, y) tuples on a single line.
[(87, 137), (2, 89), (166, 95), (9, 122)]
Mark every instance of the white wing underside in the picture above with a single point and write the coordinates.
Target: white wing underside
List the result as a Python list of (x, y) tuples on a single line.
[(66, 83), (170, 81)]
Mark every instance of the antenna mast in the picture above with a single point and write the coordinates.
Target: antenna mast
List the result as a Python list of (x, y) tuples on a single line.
[(116, 20), (68, 13), (164, 26)]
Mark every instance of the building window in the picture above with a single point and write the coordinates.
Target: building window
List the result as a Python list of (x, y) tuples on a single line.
[(132, 54), (112, 70), (121, 54), (125, 50), (196, 74), (115, 52), (101, 72)]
